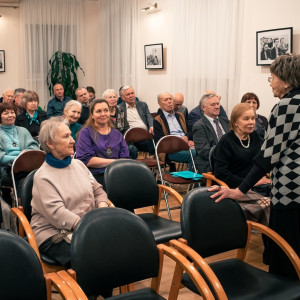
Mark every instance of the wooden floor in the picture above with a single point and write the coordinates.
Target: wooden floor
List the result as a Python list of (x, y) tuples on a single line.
[(254, 257)]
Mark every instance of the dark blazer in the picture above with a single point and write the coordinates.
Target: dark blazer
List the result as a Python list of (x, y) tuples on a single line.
[(34, 128), (143, 111), (195, 115), (205, 138), (158, 130), (273, 52), (85, 113), (262, 55)]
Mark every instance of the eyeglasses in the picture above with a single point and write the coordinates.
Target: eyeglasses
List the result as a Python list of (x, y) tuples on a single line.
[(270, 79)]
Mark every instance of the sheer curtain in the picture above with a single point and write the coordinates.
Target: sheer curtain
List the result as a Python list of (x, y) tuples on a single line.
[(117, 44), (207, 49), (46, 27)]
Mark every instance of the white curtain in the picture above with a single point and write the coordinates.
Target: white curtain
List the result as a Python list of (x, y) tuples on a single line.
[(47, 26), (117, 55), (207, 49)]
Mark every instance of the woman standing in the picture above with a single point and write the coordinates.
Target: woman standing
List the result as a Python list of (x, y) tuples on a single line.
[(72, 113), (261, 122), (31, 118), (99, 144), (116, 113), (233, 159), (280, 154)]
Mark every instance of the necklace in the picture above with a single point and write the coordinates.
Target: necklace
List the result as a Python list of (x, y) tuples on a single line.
[(244, 146), (107, 145), (8, 135)]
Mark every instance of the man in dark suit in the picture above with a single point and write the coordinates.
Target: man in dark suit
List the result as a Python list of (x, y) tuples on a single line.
[(138, 115), (197, 113), (208, 130), (169, 122)]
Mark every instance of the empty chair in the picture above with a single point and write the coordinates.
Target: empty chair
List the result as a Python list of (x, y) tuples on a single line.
[(112, 247), (21, 275), (211, 228), (131, 185)]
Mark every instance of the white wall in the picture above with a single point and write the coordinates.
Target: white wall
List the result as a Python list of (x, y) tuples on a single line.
[(9, 41), (263, 15)]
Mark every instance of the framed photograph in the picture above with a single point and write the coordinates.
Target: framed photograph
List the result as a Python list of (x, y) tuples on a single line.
[(2, 61), (273, 43), (154, 56)]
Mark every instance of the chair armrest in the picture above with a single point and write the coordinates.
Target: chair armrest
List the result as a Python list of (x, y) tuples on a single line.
[(281, 242), (211, 178), (203, 265), (182, 264), (73, 285), (27, 228), (62, 286)]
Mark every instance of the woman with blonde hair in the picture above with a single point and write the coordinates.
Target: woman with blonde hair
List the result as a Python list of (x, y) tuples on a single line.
[(99, 144)]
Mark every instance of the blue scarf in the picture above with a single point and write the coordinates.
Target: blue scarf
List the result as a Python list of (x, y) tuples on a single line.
[(34, 118), (58, 163)]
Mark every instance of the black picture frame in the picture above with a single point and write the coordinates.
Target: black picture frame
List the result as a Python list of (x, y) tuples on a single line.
[(266, 41), (154, 57), (2, 61)]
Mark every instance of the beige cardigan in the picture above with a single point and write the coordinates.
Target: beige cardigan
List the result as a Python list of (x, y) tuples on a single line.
[(60, 196)]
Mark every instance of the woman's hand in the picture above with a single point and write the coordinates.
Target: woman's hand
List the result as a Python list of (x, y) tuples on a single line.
[(224, 192)]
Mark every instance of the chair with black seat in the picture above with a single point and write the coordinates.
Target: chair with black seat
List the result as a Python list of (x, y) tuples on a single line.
[(131, 185), (23, 214), (113, 247), (210, 228), (167, 145), (26, 162), (136, 135), (21, 275)]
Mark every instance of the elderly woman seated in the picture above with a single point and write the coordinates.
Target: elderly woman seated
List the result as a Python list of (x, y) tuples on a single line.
[(72, 113), (233, 159), (99, 144), (63, 191)]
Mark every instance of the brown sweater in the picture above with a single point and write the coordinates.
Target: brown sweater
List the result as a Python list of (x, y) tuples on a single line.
[(60, 196)]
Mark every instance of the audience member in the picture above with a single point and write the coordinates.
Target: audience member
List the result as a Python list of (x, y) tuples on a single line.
[(72, 113), (233, 159), (13, 140), (168, 122), (208, 130), (30, 117), (280, 154), (92, 93), (57, 104), (63, 191), (98, 143), (261, 122), (83, 97), (18, 94), (178, 99), (197, 113), (137, 114), (8, 95), (120, 100)]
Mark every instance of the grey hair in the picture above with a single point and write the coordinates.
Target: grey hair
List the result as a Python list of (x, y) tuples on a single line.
[(71, 103), (48, 131), (7, 90), (107, 92), (204, 98), (287, 68), (124, 88), (19, 91), (159, 95)]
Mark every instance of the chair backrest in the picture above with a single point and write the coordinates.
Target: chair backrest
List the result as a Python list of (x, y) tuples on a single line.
[(28, 161), (137, 134), (171, 144), (112, 247), (130, 184), (211, 227), (21, 275), (26, 194)]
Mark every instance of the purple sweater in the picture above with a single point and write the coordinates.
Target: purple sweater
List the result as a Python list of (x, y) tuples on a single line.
[(93, 144)]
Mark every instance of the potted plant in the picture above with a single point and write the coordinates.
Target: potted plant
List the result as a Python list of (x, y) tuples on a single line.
[(63, 67)]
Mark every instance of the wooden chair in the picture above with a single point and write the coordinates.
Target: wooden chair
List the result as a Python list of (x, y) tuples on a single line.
[(27, 161), (167, 145), (113, 247), (21, 275), (131, 185), (210, 228)]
